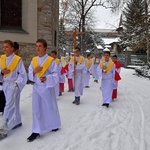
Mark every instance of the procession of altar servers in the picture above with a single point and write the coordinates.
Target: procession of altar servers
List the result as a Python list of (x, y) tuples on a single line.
[(82, 78), (49, 118)]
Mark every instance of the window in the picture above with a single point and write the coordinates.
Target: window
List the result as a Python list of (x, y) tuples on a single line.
[(11, 14)]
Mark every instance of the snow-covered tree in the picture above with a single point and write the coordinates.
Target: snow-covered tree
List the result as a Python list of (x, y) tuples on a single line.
[(134, 26), (62, 41)]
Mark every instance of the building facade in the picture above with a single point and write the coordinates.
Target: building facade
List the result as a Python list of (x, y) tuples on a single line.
[(25, 21)]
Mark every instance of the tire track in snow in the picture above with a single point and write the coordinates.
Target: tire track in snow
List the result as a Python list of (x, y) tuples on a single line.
[(135, 96)]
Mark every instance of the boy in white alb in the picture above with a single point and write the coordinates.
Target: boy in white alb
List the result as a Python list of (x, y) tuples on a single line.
[(43, 72)]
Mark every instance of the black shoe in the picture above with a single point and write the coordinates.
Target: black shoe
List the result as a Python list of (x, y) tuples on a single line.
[(54, 130), (70, 90), (96, 81), (78, 102), (17, 126), (74, 102), (106, 104), (60, 94), (87, 87), (33, 136)]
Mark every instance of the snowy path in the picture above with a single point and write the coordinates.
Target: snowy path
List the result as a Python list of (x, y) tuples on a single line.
[(89, 126)]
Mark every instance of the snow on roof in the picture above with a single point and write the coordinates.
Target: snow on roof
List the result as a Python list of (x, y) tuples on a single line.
[(106, 50), (127, 49), (88, 51), (108, 41), (104, 30), (99, 47), (107, 46)]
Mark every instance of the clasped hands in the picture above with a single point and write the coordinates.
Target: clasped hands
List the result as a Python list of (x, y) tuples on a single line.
[(5, 71), (75, 63), (37, 70)]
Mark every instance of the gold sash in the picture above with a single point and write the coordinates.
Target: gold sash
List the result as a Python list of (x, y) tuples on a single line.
[(79, 60), (45, 65), (11, 66), (57, 61), (88, 63), (110, 65)]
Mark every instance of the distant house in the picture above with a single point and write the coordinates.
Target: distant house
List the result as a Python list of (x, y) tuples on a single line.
[(110, 38)]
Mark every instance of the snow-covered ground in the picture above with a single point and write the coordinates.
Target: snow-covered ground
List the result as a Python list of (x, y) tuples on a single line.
[(89, 126)]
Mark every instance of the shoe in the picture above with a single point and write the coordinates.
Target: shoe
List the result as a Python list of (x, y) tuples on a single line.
[(33, 136), (72, 90), (17, 126), (54, 130), (74, 102), (87, 87), (96, 81), (105, 104), (78, 102), (60, 94), (69, 90), (3, 134)]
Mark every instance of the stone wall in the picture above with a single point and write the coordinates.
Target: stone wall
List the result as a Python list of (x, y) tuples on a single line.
[(48, 17)]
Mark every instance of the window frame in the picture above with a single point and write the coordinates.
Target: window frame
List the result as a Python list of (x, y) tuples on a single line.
[(12, 29)]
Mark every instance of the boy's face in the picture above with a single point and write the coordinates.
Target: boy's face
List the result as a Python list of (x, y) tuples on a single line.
[(106, 56), (89, 57), (41, 50), (96, 56), (77, 52), (114, 59), (8, 49), (53, 55)]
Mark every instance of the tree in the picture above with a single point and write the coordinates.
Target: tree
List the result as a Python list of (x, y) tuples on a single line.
[(62, 44), (80, 14), (134, 25), (147, 28)]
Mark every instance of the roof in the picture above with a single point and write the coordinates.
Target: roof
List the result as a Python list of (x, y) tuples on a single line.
[(99, 47), (108, 41), (106, 50)]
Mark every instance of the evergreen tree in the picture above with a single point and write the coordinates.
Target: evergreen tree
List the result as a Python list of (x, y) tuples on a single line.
[(134, 26)]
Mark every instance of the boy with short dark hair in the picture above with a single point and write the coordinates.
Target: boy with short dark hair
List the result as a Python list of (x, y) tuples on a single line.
[(106, 70), (43, 72)]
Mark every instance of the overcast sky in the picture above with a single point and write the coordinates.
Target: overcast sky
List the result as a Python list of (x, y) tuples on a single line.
[(105, 18)]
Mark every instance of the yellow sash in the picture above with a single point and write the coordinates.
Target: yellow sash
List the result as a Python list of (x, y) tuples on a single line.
[(88, 63), (45, 65), (110, 65), (11, 66), (79, 60), (57, 61)]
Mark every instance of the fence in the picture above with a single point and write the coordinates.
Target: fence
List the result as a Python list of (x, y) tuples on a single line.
[(137, 60)]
